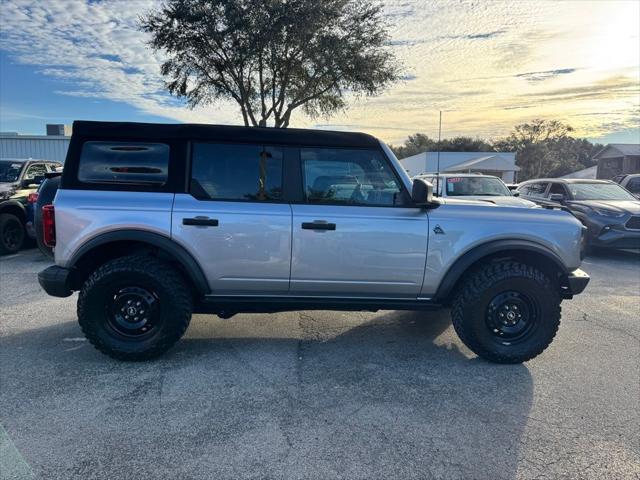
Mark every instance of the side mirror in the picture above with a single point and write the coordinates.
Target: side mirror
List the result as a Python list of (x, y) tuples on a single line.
[(28, 182), (556, 197), (422, 192), (516, 193)]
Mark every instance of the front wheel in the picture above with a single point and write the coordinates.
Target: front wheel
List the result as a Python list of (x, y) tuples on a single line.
[(134, 308), (507, 312)]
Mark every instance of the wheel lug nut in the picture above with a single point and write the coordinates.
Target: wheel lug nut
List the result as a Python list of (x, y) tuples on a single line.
[(137, 304)]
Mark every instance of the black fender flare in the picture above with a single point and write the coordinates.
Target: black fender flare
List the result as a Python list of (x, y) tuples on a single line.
[(479, 252), (14, 204), (176, 251)]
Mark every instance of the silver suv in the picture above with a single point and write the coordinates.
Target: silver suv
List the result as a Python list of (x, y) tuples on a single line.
[(152, 223)]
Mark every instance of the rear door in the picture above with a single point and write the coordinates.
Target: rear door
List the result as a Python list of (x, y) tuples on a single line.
[(234, 220), (356, 233)]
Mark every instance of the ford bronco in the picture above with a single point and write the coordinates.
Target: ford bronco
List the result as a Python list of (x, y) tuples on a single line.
[(152, 223)]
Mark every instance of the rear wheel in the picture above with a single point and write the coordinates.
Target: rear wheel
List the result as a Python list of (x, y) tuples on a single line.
[(134, 308), (507, 312), (11, 233)]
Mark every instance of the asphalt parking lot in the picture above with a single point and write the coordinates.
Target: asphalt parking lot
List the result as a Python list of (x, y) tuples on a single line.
[(321, 394)]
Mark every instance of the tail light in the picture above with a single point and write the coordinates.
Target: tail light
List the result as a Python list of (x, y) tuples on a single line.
[(32, 197), (49, 226)]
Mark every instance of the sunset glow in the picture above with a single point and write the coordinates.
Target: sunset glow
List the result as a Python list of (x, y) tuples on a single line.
[(487, 64)]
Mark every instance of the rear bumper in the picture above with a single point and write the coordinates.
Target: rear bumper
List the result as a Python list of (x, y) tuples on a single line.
[(56, 281), (576, 283)]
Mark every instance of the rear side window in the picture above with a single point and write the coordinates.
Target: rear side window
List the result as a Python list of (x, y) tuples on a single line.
[(124, 163), (236, 172), (537, 189)]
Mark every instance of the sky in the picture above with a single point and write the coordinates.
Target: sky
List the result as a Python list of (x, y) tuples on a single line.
[(486, 64)]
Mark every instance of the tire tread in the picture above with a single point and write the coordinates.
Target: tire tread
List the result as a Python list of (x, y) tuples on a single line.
[(181, 301), (473, 287)]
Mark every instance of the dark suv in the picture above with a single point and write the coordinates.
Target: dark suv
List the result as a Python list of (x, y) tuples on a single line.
[(18, 179), (610, 213)]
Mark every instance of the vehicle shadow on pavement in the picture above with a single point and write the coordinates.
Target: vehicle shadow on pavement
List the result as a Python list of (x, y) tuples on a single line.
[(611, 254), (394, 396)]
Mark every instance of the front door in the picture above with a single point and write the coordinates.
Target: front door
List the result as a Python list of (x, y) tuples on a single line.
[(356, 234), (233, 221)]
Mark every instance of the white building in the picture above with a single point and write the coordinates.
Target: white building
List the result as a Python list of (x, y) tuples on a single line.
[(42, 147), (500, 164)]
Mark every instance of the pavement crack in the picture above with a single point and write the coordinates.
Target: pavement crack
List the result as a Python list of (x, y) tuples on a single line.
[(588, 319)]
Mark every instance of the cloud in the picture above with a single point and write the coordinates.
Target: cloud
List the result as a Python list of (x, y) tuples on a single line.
[(490, 65), (606, 88), (96, 51), (547, 74), (478, 36)]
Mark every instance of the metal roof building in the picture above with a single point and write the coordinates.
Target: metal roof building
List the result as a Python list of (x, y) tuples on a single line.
[(500, 164), (44, 147)]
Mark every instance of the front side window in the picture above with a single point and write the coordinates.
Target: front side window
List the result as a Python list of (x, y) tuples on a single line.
[(124, 163), (349, 177), (557, 188), (236, 172)]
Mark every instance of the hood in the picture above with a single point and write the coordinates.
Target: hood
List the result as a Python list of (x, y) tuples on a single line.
[(624, 206), (505, 201)]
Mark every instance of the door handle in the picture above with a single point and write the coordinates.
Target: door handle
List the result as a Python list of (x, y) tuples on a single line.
[(318, 225), (200, 222)]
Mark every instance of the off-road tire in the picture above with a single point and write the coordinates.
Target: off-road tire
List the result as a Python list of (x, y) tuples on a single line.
[(471, 309), (175, 305), (11, 244)]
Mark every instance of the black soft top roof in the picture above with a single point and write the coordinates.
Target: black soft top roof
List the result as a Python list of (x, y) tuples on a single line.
[(279, 136)]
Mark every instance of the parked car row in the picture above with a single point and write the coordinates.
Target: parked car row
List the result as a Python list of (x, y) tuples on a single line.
[(610, 213)]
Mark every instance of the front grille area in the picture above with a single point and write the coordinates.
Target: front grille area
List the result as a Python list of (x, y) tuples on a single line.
[(633, 223)]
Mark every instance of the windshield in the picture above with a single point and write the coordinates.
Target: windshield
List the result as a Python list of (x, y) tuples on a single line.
[(464, 186), (599, 191), (10, 171)]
